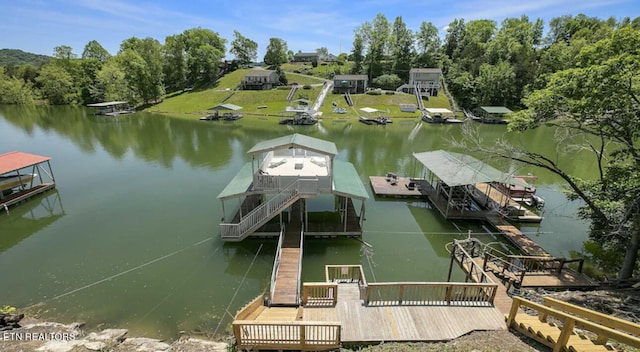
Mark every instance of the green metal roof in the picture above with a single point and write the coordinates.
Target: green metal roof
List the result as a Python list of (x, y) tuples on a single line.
[(296, 141), (347, 182), (496, 110), (239, 185), (456, 169)]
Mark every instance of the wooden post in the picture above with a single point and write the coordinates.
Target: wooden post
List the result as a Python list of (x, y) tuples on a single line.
[(453, 251), (236, 333), (514, 310), (562, 260), (303, 339), (567, 329), (401, 293)]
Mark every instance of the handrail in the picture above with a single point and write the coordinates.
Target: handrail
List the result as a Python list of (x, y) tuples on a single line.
[(561, 341), (300, 263), (255, 218), (296, 335), (430, 293), (276, 265), (463, 257)]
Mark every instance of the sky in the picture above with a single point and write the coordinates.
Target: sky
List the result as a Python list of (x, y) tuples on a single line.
[(38, 26)]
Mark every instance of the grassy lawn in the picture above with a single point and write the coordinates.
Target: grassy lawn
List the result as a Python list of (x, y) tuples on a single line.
[(194, 104)]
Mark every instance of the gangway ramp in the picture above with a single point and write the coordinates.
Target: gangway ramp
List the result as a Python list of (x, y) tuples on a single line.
[(285, 289)]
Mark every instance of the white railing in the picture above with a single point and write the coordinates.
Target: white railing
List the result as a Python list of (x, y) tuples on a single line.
[(265, 211), (276, 265), (417, 91), (300, 263)]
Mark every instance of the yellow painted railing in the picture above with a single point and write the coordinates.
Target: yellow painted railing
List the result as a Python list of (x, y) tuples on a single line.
[(298, 335), (563, 338)]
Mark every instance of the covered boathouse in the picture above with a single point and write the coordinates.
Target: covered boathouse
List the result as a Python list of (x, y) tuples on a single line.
[(280, 184), (22, 176)]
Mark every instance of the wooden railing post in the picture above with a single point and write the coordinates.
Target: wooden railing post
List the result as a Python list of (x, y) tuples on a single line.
[(514, 310), (567, 330), (303, 338)]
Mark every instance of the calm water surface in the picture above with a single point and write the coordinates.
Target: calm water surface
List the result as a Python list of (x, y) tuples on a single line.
[(130, 237)]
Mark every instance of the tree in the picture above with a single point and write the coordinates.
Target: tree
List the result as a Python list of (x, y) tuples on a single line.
[(387, 82), (402, 50), (111, 84), (245, 49), (64, 52), (428, 43), (495, 84), (93, 50), (141, 60), (357, 53), (14, 90), (323, 53), (276, 52), (56, 85), (376, 38), (598, 102)]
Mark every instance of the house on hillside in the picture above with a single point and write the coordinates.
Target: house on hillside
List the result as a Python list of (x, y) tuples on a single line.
[(352, 84), (426, 80), (306, 57), (260, 80)]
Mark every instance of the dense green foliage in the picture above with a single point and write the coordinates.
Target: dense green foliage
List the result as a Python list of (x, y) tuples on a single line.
[(14, 57)]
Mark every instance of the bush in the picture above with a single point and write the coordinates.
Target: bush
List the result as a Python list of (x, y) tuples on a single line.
[(389, 82), (389, 92), (306, 86), (374, 92)]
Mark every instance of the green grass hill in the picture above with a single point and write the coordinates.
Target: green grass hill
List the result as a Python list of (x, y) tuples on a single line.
[(194, 104)]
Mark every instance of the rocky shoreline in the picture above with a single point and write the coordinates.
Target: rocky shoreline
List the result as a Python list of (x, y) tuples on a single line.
[(35, 335)]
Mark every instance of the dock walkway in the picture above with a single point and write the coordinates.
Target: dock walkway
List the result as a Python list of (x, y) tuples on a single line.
[(287, 274), (372, 324)]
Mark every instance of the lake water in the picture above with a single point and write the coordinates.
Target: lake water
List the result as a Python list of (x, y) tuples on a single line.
[(130, 238)]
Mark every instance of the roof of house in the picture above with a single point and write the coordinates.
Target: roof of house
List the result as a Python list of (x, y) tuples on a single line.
[(456, 169), (425, 70), (259, 73), (350, 77), (438, 111), (307, 54), (296, 141), (15, 160), (496, 109), (239, 185)]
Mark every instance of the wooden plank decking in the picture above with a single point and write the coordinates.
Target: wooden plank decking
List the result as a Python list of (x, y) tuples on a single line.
[(503, 201), (18, 197), (370, 324), (286, 284), (382, 187), (515, 236)]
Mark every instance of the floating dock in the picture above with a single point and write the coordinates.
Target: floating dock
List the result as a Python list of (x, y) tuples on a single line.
[(17, 165)]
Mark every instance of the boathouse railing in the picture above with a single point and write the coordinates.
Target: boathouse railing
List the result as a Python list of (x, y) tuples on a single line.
[(293, 335), (430, 293), (265, 211), (300, 264), (465, 259), (276, 265)]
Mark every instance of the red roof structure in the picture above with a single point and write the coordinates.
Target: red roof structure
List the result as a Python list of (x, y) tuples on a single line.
[(15, 160)]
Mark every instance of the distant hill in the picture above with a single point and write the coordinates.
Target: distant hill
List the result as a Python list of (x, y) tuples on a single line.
[(17, 57)]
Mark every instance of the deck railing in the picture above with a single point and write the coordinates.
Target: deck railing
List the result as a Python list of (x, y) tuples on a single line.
[(344, 273), (297, 335), (276, 265), (319, 294), (430, 293), (300, 264), (538, 264), (465, 260), (265, 211)]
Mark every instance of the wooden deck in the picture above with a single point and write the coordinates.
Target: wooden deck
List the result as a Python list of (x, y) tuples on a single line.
[(515, 236), (18, 197), (382, 187), (502, 200), (373, 324), (287, 284)]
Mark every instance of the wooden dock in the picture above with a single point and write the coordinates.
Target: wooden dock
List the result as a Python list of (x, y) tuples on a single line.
[(374, 324), (515, 236), (384, 186), (504, 201), (287, 278), (21, 196)]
